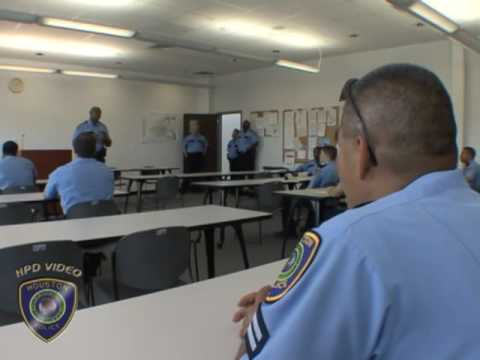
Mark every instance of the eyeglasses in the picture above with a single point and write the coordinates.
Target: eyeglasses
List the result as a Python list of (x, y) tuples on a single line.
[(347, 94)]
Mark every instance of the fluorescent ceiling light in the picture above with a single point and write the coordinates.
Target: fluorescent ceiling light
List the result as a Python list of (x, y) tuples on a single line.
[(457, 10), (87, 27), (284, 37), (434, 17), (297, 66), (53, 46), (89, 74), (26, 68), (104, 3)]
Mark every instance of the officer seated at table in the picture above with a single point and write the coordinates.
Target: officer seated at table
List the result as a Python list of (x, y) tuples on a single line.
[(84, 179), (310, 167), (397, 275), (15, 171), (326, 176)]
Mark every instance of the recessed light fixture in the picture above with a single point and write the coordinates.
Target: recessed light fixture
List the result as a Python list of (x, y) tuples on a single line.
[(27, 69), (87, 27), (434, 17), (354, 36), (53, 46), (297, 66), (284, 37), (89, 74), (419, 24)]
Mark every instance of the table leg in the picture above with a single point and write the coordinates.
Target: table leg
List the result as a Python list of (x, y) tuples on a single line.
[(316, 206), (241, 239), (139, 196), (223, 197), (129, 188), (237, 197), (210, 249)]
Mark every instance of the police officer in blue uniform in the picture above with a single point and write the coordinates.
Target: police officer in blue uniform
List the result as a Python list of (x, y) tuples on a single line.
[(233, 153), (195, 147), (84, 179), (397, 276), (15, 171), (99, 129), (327, 175), (311, 166), (247, 143), (471, 169)]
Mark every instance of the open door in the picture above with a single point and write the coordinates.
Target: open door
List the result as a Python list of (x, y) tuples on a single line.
[(209, 127)]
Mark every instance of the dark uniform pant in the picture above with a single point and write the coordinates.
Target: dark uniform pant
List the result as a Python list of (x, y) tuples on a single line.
[(194, 163), (246, 161)]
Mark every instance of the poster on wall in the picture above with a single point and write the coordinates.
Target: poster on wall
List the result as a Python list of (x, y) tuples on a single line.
[(160, 127), (266, 123)]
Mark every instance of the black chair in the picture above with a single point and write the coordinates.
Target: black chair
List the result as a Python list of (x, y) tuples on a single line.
[(167, 192), (12, 267), (93, 209), (19, 190), (16, 213), (150, 261)]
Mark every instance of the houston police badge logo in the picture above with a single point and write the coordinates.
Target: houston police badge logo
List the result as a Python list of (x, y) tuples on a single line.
[(47, 306), (296, 266)]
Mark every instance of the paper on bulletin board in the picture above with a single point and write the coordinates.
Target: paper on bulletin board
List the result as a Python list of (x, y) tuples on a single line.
[(301, 154), (289, 130), (312, 143), (332, 116), (312, 123), (272, 125), (289, 158), (301, 123)]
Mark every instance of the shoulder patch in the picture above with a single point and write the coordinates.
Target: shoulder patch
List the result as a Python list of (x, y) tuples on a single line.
[(296, 266)]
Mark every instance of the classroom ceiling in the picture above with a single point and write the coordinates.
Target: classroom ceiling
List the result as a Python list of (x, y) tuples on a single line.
[(168, 30)]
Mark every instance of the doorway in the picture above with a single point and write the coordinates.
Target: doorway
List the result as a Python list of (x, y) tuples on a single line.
[(228, 122), (209, 128)]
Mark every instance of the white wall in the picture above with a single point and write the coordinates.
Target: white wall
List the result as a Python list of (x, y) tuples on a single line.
[(51, 106), (276, 88)]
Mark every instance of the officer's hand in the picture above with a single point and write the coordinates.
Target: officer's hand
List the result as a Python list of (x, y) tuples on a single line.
[(248, 307)]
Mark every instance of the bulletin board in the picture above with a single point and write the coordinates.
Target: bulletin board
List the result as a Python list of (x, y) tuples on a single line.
[(295, 136), (266, 123), (324, 123), (303, 130)]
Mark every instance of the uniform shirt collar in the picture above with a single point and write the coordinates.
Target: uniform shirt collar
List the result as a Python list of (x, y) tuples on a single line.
[(427, 185)]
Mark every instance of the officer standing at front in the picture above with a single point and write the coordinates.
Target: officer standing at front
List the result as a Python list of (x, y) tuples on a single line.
[(195, 148), (232, 151), (396, 277), (247, 143), (93, 124)]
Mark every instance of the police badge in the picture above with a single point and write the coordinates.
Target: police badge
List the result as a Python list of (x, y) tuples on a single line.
[(47, 306), (296, 266)]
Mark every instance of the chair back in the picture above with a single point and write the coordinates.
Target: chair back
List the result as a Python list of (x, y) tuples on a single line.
[(267, 200), (20, 190), (17, 267), (93, 209), (152, 260), (16, 213), (167, 188)]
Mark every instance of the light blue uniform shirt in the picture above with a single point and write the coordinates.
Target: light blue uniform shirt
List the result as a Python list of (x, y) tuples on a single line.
[(247, 140), (232, 150), (397, 279), (472, 174), (309, 167), (326, 176), (16, 171), (81, 181), (193, 144), (100, 130)]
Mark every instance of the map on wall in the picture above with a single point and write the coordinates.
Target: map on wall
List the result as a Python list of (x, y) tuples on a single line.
[(160, 127)]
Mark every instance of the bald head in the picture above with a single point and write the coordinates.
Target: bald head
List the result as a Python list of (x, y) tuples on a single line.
[(408, 115)]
